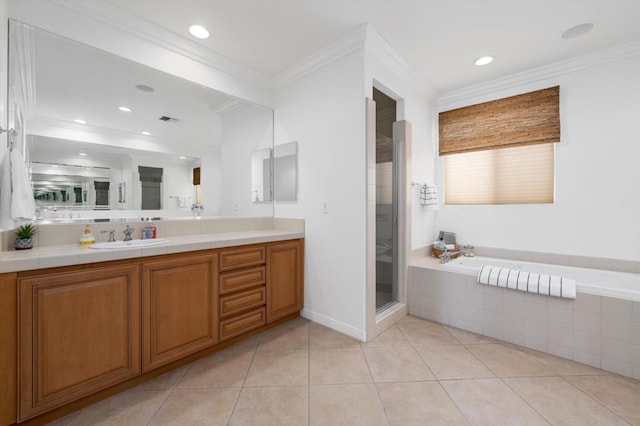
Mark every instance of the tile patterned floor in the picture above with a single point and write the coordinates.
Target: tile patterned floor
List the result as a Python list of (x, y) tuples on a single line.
[(417, 372)]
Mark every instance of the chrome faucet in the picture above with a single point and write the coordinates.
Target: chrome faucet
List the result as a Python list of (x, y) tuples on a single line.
[(127, 233), (112, 235), (445, 257)]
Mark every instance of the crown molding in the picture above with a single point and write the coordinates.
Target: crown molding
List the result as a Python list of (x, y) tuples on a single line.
[(229, 106), (137, 26), (534, 75), (379, 47), (340, 48)]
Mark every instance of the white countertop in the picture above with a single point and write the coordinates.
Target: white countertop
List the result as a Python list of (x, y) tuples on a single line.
[(50, 257)]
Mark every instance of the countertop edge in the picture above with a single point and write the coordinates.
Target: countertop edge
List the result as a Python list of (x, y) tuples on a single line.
[(67, 255)]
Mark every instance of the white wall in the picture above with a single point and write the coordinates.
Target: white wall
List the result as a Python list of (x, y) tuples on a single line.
[(243, 130), (597, 204), (325, 113)]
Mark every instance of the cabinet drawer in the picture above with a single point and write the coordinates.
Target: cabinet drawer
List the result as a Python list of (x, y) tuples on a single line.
[(242, 257), (240, 280), (242, 301), (241, 324)]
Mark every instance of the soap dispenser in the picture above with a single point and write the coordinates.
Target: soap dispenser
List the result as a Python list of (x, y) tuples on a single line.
[(87, 238)]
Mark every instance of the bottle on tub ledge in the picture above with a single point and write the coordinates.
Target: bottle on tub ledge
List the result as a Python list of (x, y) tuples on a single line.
[(149, 231)]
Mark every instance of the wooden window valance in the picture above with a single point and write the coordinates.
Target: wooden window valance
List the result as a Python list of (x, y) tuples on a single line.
[(527, 119)]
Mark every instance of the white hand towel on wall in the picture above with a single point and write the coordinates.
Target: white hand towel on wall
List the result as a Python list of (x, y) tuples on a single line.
[(547, 285), (16, 195), (429, 197), (5, 192)]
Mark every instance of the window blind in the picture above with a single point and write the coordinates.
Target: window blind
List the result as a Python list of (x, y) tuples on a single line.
[(526, 119), (515, 175)]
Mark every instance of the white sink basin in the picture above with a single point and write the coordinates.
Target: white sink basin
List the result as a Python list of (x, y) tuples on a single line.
[(129, 244)]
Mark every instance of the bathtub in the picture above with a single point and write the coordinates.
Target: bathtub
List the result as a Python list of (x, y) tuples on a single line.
[(592, 281), (601, 327)]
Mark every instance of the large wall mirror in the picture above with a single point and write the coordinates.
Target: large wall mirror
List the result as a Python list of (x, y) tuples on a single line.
[(106, 137)]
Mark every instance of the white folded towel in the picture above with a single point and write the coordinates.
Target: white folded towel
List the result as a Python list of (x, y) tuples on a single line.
[(503, 275), (16, 194), (5, 193), (548, 285), (523, 281), (429, 197)]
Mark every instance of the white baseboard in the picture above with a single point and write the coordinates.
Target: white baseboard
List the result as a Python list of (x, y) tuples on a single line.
[(333, 324)]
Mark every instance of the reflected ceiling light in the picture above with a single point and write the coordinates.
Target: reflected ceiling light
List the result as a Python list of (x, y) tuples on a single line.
[(79, 121), (146, 133), (577, 31), (484, 60), (199, 31), (82, 153), (125, 109)]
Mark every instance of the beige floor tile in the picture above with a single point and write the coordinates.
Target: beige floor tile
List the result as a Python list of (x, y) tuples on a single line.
[(453, 362), (346, 405), (278, 406), (418, 403), (392, 336), (396, 364), (468, 337), (412, 318), (129, 408), (197, 407), (338, 366), (245, 345), (222, 369), (283, 337), (508, 361), (562, 366), (166, 381), (619, 394), (279, 368), (297, 322), (324, 337), (490, 402), (427, 333), (560, 403)]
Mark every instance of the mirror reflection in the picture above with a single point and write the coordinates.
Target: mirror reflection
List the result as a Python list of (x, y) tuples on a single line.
[(107, 137), (274, 173)]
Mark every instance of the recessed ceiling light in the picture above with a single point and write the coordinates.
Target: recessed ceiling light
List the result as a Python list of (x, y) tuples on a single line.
[(484, 60), (82, 153), (182, 157), (199, 31), (145, 88), (146, 133), (125, 109), (79, 121), (577, 31)]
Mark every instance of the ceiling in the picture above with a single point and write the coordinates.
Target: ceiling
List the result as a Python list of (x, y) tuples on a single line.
[(440, 39)]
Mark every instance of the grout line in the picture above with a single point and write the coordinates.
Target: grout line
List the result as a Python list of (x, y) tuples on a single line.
[(161, 405), (523, 399), (594, 398), (235, 404)]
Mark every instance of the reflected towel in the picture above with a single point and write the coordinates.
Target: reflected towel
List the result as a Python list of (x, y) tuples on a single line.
[(548, 285)]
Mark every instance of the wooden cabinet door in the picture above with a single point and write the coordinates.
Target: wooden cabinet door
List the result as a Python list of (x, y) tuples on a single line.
[(179, 308), (79, 333), (284, 279)]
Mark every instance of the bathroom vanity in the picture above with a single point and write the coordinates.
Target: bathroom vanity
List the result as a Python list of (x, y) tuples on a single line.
[(72, 335)]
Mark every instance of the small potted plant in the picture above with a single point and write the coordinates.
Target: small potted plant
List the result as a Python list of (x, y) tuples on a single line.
[(24, 236)]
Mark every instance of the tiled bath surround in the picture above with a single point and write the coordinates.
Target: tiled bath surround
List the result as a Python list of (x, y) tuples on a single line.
[(600, 331)]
